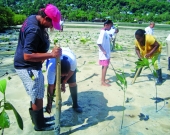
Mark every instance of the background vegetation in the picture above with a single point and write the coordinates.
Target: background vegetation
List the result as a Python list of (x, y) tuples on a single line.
[(83, 10)]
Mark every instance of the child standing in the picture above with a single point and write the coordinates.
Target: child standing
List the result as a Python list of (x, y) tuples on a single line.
[(113, 32), (104, 51)]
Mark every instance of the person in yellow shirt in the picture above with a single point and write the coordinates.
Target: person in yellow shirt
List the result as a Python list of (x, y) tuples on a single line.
[(146, 46)]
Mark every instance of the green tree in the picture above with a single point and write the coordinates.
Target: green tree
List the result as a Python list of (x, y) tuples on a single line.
[(6, 17)]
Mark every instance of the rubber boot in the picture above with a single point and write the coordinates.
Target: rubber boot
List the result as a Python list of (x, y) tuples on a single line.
[(76, 107), (133, 75), (38, 121), (46, 119), (159, 80)]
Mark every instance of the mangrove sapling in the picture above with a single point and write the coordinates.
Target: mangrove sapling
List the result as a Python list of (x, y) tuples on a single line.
[(67, 41), (152, 66), (84, 40), (5, 105), (122, 83), (118, 47)]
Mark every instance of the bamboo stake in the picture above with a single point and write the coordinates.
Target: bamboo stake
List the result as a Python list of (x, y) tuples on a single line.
[(58, 96), (137, 73)]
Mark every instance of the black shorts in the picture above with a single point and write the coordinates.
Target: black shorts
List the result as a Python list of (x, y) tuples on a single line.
[(72, 79)]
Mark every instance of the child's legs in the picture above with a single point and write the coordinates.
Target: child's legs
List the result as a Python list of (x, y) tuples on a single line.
[(104, 70), (104, 64)]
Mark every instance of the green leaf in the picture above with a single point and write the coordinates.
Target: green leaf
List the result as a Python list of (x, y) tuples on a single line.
[(55, 41), (139, 63), (139, 66), (155, 74), (132, 70), (155, 65), (119, 85), (142, 62), (125, 83), (92, 62), (119, 77), (3, 86), (145, 62), (154, 59), (4, 120), (9, 106), (146, 68)]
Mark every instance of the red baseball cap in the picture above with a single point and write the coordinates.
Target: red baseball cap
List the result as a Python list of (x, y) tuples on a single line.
[(54, 14)]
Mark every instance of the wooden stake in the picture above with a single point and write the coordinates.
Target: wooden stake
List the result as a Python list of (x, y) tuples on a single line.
[(58, 96), (137, 73)]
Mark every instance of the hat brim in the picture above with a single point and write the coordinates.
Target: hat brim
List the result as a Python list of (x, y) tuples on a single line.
[(56, 25)]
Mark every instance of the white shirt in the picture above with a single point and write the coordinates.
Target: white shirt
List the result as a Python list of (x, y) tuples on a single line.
[(104, 41), (51, 64), (61, 22), (111, 32), (149, 30)]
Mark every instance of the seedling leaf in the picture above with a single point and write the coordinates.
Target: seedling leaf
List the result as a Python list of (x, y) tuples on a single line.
[(9, 106), (3, 86), (146, 68), (4, 120), (55, 41), (155, 74), (119, 85), (119, 77)]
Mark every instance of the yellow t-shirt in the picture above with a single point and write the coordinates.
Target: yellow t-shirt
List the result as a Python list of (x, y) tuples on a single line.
[(149, 41)]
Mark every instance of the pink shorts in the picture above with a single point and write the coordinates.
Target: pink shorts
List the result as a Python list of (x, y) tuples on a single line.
[(104, 62)]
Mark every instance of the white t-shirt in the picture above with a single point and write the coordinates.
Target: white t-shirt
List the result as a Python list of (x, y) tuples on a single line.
[(111, 32), (104, 41), (61, 22), (51, 64), (149, 30)]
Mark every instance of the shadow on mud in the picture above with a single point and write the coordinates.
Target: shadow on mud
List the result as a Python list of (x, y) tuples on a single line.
[(95, 110)]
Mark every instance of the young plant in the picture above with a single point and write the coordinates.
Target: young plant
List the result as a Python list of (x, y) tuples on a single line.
[(55, 41), (152, 66), (84, 40), (67, 41), (122, 83), (118, 47), (5, 105)]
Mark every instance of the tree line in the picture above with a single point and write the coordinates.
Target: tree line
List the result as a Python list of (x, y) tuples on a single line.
[(83, 10)]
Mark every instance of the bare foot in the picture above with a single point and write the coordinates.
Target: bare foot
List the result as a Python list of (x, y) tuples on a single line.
[(107, 81), (105, 84)]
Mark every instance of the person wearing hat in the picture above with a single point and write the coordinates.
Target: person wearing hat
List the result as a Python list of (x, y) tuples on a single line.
[(31, 51)]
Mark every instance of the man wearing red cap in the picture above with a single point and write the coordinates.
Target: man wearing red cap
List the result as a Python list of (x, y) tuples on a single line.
[(31, 51)]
